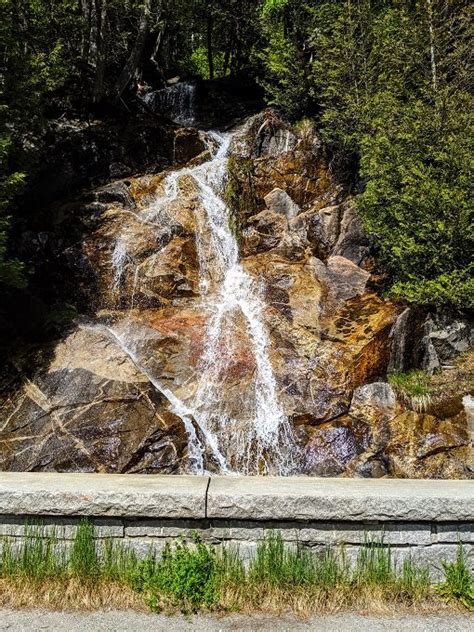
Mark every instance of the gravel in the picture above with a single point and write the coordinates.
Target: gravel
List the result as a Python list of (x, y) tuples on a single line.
[(116, 621)]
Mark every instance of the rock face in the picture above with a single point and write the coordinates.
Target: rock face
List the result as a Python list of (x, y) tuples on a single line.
[(91, 411), (79, 152), (114, 395), (441, 335)]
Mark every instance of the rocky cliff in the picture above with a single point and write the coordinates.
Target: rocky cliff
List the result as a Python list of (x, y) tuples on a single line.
[(122, 390)]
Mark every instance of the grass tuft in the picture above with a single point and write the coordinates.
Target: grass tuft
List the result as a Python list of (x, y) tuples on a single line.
[(458, 584), (413, 387), (374, 564), (84, 560)]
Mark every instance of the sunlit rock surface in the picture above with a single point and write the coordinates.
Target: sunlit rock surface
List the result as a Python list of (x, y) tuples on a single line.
[(93, 406)]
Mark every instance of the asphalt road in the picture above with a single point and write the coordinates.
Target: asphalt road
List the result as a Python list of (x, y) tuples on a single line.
[(115, 621)]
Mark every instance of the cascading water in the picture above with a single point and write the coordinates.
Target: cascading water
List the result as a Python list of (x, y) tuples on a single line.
[(175, 101), (257, 438)]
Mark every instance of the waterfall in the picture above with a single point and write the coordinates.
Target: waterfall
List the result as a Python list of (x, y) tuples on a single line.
[(120, 258), (258, 437), (177, 102)]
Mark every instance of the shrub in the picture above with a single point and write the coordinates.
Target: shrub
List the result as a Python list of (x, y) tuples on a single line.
[(188, 575)]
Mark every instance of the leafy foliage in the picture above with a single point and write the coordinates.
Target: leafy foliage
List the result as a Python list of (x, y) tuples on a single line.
[(11, 270), (187, 575), (391, 83), (283, 60)]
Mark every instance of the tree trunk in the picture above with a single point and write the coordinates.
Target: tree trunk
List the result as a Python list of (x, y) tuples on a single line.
[(156, 51), (227, 55), (210, 59), (100, 48), (157, 47), (434, 79), (130, 68), (86, 10)]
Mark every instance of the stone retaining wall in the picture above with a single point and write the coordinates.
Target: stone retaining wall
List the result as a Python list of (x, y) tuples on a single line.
[(421, 518)]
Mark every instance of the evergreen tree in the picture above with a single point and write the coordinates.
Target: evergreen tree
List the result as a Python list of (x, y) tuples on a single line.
[(392, 85)]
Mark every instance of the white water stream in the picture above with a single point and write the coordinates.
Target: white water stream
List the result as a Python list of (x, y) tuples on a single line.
[(256, 438), (176, 101)]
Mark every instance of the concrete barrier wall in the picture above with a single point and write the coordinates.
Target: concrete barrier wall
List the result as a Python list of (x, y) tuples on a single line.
[(420, 518)]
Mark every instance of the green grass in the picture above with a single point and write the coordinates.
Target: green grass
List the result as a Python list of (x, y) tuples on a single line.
[(187, 576), (413, 387), (190, 576), (414, 383), (458, 584), (37, 557)]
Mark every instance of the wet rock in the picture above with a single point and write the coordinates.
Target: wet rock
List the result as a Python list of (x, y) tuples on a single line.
[(422, 446), (153, 264), (280, 202), (444, 337), (279, 161), (170, 273), (188, 144), (352, 243), (376, 405), (468, 404), (444, 407), (333, 446), (265, 135), (371, 467), (319, 355), (79, 152), (264, 231), (119, 170), (428, 341), (116, 193), (402, 343), (323, 229), (342, 278)]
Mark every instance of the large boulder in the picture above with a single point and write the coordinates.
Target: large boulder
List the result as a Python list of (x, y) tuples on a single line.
[(440, 337), (422, 446), (278, 201), (445, 336), (374, 402)]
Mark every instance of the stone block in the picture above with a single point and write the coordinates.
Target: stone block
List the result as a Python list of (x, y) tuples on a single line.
[(144, 546), (299, 498), (335, 533), (252, 534), (246, 550), (39, 493), (144, 528), (62, 527), (454, 533), (218, 533)]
